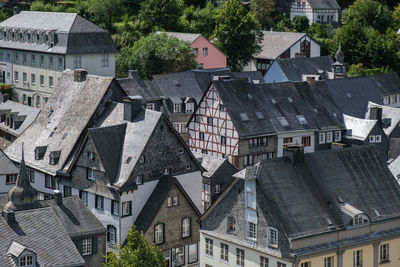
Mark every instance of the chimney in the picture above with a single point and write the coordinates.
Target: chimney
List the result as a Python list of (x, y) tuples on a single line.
[(15, 10), (310, 80), (132, 107), (375, 113), (9, 216), (295, 153), (134, 74), (58, 197), (80, 75)]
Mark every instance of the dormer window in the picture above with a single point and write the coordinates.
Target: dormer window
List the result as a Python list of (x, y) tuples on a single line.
[(90, 155), (39, 152), (272, 237), (54, 157), (26, 260), (360, 219)]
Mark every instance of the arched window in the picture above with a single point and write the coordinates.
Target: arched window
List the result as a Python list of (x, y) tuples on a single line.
[(186, 227), (111, 234)]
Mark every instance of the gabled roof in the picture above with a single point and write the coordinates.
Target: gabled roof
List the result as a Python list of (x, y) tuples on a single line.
[(76, 35), (187, 37), (275, 43), (6, 165), (323, 4), (23, 112), (287, 100), (62, 121), (360, 128), (295, 68), (389, 113)]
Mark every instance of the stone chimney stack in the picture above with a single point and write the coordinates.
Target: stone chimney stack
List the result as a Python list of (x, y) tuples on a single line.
[(9, 216), (58, 197), (295, 153), (80, 75), (133, 105)]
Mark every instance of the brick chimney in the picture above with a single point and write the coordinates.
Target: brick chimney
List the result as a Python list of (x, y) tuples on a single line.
[(58, 197), (310, 80), (80, 75), (375, 113)]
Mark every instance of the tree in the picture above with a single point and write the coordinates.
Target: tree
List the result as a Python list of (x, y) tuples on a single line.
[(158, 54), (300, 23), (159, 14), (198, 20), (396, 18), (49, 7), (101, 12), (237, 34), (265, 12), (136, 253), (358, 70)]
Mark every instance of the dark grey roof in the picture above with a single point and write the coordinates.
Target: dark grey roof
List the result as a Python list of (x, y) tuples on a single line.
[(134, 86), (22, 112), (75, 35), (323, 4), (359, 176), (41, 231), (294, 68), (274, 101), (351, 95)]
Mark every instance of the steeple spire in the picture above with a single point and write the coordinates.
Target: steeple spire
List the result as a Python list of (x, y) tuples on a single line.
[(339, 67)]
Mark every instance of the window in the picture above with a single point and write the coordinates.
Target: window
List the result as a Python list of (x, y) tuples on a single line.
[(178, 255), (104, 60), (221, 107), (177, 108), (306, 264), (51, 62), (231, 229), (173, 201), (84, 197), (90, 174), (287, 140), (186, 227), (301, 119), (272, 237), (322, 138), (243, 116), (209, 247), (195, 51), (338, 136), (209, 121), (11, 178), (16, 76), (114, 207), (16, 57), (159, 233), (328, 262), (24, 77), (217, 188), (91, 155), (306, 141), (189, 107), (42, 80), (33, 79), (201, 136), (372, 138), (378, 138), (41, 61), (67, 191), (33, 59), (127, 208), (248, 160), (329, 137), (239, 257), (51, 85), (139, 179), (205, 51), (204, 151), (283, 122), (60, 63), (223, 140), (150, 106), (384, 253), (193, 254), (31, 174), (99, 202), (357, 258), (280, 264), (49, 181), (77, 62), (24, 58), (111, 234), (224, 252), (263, 261), (251, 230), (26, 260), (259, 115), (87, 246)]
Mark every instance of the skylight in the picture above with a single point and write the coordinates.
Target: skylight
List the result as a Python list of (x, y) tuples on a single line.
[(348, 95), (290, 99), (244, 116), (259, 115), (273, 101), (250, 96), (283, 121), (301, 119)]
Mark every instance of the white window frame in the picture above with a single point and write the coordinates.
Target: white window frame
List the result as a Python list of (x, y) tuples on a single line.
[(90, 174), (372, 138), (26, 260), (100, 202), (224, 252), (321, 138), (189, 107), (104, 60), (186, 226), (159, 233), (384, 253), (205, 51), (217, 188), (338, 136), (150, 106), (251, 231), (111, 234), (33, 78), (84, 197), (272, 237), (177, 108), (357, 258), (51, 81), (240, 257), (126, 208), (378, 138), (87, 246), (329, 137), (77, 62), (209, 246), (328, 261), (41, 80)]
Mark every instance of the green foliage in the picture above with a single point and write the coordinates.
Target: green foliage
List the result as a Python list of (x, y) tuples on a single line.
[(158, 54), (265, 12), (50, 7), (300, 23), (159, 15), (101, 12), (126, 33), (318, 30), (4, 15), (396, 17), (237, 34), (357, 70), (136, 253), (198, 20), (284, 25)]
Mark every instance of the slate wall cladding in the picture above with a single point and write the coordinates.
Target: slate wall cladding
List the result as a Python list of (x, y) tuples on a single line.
[(394, 147), (172, 218), (97, 259)]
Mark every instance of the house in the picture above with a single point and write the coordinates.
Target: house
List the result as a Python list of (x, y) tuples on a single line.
[(276, 45), (36, 47), (246, 122), (207, 54), (319, 11), (14, 119), (351, 95), (58, 232), (216, 177), (170, 219), (328, 208), (68, 147), (8, 176), (177, 94)]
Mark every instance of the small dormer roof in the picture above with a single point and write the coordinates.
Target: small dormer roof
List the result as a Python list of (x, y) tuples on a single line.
[(16, 249)]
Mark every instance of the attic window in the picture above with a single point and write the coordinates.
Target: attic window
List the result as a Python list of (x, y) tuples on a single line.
[(141, 159), (26, 260), (348, 95), (377, 213), (64, 135), (54, 157), (340, 199), (301, 119), (39, 152), (128, 160), (243, 116), (328, 221), (283, 121), (273, 101), (90, 155), (259, 115), (360, 219), (250, 96), (290, 99), (52, 133), (272, 237), (177, 83)]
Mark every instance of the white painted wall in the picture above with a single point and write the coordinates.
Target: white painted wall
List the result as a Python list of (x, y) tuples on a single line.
[(296, 139), (275, 74), (92, 63)]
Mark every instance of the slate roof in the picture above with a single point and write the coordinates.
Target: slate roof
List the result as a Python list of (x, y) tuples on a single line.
[(6, 165), (359, 176), (323, 4), (61, 121), (275, 43), (274, 101), (187, 37), (351, 95), (388, 113), (360, 128), (23, 112), (295, 68), (75, 34), (41, 231), (134, 86), (394, 168)]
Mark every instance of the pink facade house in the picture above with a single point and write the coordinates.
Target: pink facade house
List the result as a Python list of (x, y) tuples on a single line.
[(208, 55)]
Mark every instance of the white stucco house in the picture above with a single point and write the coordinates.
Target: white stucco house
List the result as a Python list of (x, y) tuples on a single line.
[(321, 11)]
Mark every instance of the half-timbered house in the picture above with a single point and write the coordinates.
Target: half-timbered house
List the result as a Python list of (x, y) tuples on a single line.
[(320, 11), (246, 122)]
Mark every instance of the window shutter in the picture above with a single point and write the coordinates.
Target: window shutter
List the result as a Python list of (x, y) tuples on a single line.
[(130, 207), (163, 232), (78, 244), (182, 222), (154, 234), (112, 207), (95, 201), (190, 226), (94, 241)]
